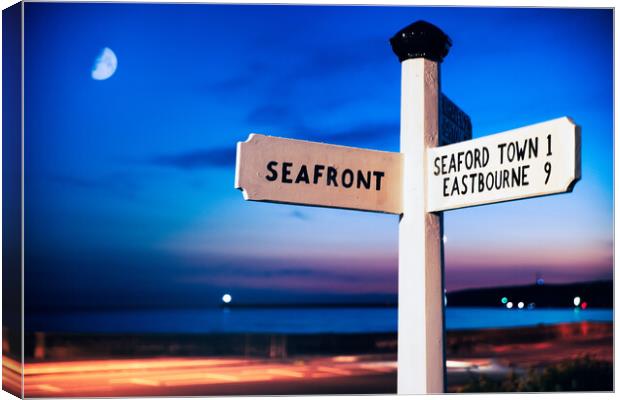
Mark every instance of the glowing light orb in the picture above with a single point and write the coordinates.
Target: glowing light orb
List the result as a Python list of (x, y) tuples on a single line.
[(509, 304), (576, 301), (521, 304), (504, 300), (227, 298)]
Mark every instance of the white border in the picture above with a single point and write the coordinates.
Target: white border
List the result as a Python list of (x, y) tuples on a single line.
[(480, 3)]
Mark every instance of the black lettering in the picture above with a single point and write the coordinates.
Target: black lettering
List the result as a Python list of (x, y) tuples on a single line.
[(498, 179), (501, 152), (363, 179), (274, 173), (524, 181), (317, 173), (349, 173), (302, 175), (436, 172), (509, 150), (455, 187), (480, 183), (490, 175), (452, 164), (464, 183), (516, 177), (521, 150), (378, 175), (470, 157), (533, 147), (286, 172), (445, 187), (473, 180), (331, 176)]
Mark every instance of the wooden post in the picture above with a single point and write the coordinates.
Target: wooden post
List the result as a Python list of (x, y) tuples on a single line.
[(421, 361)]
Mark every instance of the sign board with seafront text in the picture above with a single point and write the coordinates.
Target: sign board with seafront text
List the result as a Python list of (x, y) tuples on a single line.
[(300, 172)]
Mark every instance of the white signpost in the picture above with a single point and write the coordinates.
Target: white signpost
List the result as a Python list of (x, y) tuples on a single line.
[(438, 168)]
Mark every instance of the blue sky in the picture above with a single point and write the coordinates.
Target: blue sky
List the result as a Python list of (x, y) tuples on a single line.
[(129, 180)]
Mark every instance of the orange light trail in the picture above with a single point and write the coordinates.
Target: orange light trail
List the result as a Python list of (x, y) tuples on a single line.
[(156, 376)]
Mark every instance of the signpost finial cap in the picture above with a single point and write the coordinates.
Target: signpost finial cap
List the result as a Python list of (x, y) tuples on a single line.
[(421, 40)]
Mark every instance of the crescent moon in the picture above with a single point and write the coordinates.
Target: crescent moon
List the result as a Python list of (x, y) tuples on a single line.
[(105, 65)]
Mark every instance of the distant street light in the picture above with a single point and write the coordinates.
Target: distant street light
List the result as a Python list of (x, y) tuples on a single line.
[(576, 301), (227, 298)]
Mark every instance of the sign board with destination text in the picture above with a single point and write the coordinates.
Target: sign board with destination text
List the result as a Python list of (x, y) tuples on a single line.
[(454, 125), (531, 161), (300, 172)]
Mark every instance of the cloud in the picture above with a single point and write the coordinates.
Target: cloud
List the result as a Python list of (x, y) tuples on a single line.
[(384, 132), (234, 83), (117, 183), (270, 114), (380, 135), (225, 157), (339, 56), (264, 275), (74, 181), (299, 215), (342, 59), (299, 279), (281, 118), (197, 159), (254, 75)]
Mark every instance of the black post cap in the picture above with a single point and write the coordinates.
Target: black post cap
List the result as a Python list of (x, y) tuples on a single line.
[(421, 40)]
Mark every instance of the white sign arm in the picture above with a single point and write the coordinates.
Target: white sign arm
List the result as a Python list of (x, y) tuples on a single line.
[(535, 160)]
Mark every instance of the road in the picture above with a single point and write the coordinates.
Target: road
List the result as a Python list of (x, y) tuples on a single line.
[(178, 376), (208, 376)]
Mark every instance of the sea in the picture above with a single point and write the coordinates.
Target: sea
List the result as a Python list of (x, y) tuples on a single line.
[(292, 320)]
